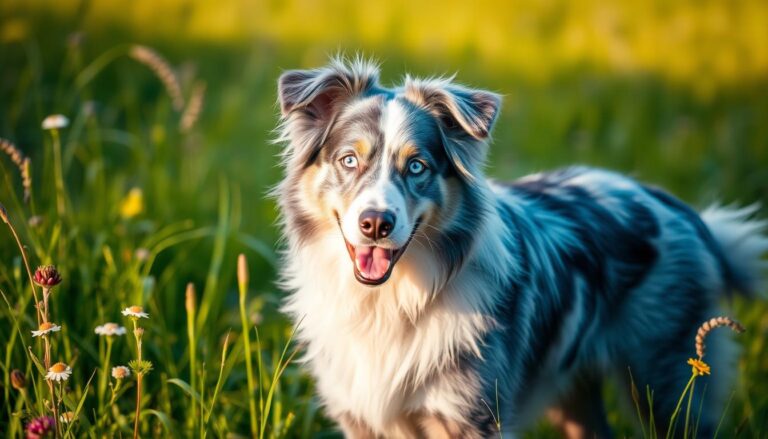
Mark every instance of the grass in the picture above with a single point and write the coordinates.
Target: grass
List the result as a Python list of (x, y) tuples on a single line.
[(133, 202)]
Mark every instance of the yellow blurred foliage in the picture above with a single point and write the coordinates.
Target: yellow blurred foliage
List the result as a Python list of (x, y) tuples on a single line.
[(701, 43)]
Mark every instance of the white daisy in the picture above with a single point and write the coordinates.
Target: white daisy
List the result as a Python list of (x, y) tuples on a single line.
[(55, 121), (59, 372), (45, 329), (120, 372), (135, 312), (110, 329)]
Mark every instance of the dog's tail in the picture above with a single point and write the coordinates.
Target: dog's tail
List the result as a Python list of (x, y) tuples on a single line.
[(744, 243)]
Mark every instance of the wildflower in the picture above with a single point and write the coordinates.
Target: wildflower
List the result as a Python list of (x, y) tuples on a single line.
[(59, 372), (35, 221), (698, 367), (47, 276), (46, 328), (141, 254), (132, 204), (120, 372), (67, 417), (135, 312), (43, 427), (110, 329), (18, 380), (55, 121)]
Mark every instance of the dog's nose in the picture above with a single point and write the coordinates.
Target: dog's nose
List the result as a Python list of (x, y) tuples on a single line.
[(376, 224)]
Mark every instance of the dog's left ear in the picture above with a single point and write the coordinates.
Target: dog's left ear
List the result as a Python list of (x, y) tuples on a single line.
[(465, 116)]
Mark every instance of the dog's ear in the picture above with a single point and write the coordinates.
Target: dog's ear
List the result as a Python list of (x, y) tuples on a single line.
[(311, 99), (465, 116)]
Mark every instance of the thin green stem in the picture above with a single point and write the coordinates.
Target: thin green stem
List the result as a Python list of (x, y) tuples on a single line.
[(105, 372), (58, 173), (248, 361), (688, 409), (192, 359), (38, 311), (673, 419), (139, 376)]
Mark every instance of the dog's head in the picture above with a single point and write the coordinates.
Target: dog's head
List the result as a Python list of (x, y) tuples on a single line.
[(384, 166)]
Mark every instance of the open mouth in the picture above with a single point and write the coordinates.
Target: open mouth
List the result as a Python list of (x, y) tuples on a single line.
[(374, 264)]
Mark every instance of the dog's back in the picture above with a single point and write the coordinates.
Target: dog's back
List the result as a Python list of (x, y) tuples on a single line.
[(426, 292), (619, 275)]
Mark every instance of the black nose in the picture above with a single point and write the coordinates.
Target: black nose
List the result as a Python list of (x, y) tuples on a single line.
[(376, 224)]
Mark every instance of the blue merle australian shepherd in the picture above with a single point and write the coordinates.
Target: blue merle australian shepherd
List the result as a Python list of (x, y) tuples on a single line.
[(426, 292)]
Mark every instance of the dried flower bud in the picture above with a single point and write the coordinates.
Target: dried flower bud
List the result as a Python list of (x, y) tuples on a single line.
[(18, 380), (47, 276), (138, 332), (242, 273), (3, 213), (35, 221), (189, 298)]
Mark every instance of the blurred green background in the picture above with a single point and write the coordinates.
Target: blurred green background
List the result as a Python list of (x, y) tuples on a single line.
[(673, 93)]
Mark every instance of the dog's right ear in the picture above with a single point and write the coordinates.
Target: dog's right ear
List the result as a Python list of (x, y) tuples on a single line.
[(311, 99)]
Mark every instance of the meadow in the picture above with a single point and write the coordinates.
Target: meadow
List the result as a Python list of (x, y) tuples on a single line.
[(157, 182)]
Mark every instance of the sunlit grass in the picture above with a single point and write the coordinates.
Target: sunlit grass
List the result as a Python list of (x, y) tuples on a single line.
[(138, 196)]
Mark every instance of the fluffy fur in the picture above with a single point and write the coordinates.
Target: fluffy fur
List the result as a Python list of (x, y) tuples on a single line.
[(531, 291)]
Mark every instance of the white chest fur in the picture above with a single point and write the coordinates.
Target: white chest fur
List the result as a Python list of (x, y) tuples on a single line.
[(379, 352)]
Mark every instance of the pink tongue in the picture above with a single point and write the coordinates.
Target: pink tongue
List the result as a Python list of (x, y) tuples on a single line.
[(372, 262)]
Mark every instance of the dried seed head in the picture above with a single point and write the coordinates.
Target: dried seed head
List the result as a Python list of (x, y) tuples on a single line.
[(162, 70), (18, 380), (242, 273), (194, 106), (21, 162), (189, 298), (26, 179), (47, 276), (711, 324), (4, 214)]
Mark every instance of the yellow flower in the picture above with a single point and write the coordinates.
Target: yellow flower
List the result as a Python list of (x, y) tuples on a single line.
[(132, 204), (698, 367)]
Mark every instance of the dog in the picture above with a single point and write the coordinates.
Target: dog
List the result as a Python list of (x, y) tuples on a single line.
[(434, 302)]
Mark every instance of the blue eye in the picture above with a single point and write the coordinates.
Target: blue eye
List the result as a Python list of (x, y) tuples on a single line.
[(416, 167), (349, 161)]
